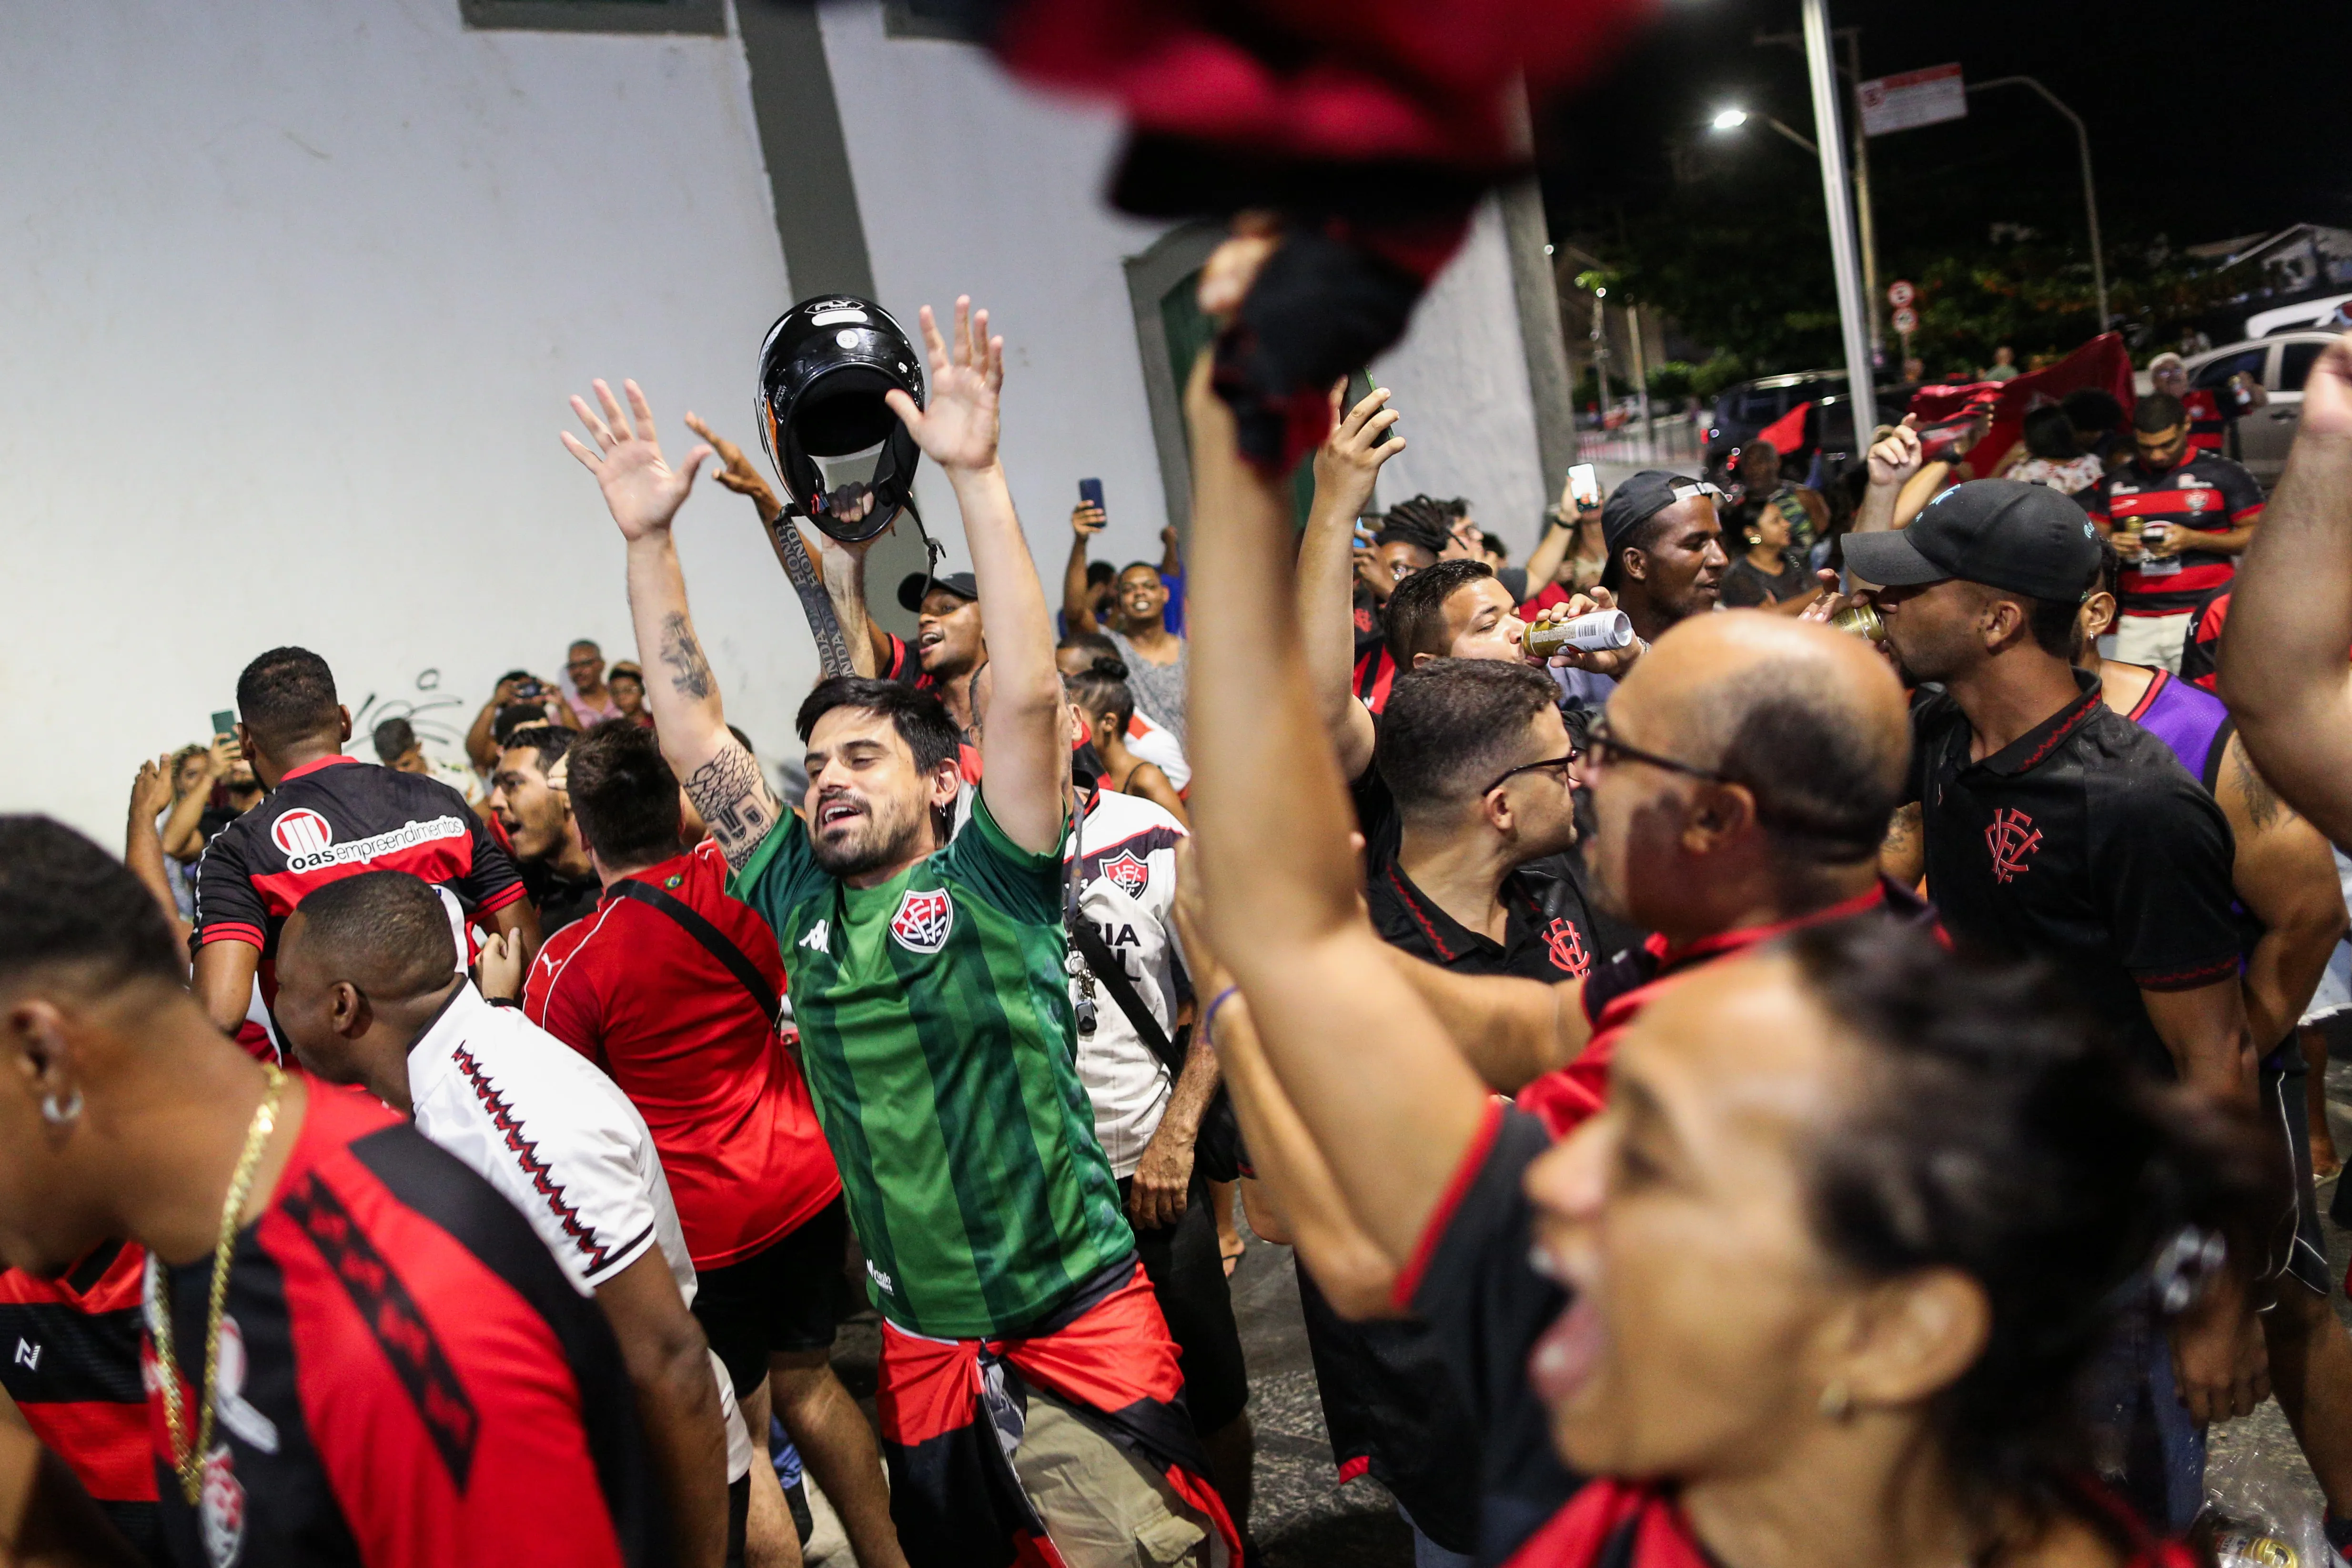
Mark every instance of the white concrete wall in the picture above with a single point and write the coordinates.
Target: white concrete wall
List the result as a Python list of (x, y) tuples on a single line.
[(1460, 380), (291, 295), (968, 183)]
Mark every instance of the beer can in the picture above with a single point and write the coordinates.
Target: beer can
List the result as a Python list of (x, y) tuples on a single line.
[(1598, 632), (1861, 621)]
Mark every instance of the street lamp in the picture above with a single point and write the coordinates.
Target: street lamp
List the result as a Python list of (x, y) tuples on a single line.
[(1733, 119), (2090, 190)]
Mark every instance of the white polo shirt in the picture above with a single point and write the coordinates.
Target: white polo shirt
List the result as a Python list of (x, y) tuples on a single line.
[(1128, 890), (561, 1143)]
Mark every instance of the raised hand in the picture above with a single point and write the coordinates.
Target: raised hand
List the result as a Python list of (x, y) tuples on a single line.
[(642, 489), (959, 430), (736, 471), (1350, 458), (1897, 455), (1088, 520), (150, 792)]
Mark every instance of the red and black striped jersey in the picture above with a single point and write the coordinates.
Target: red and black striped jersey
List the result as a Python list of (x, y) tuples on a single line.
[(335, 819), (407, 1379), (72, 1348), (2206, 494), (2211, 409)]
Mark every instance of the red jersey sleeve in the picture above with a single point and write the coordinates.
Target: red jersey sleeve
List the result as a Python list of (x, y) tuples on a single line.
[(228, 908)]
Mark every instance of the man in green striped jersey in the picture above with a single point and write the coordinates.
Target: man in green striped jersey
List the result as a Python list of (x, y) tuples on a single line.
[(927, 980)]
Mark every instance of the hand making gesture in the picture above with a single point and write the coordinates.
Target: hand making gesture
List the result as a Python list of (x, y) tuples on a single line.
[(737, 472), (1897, 455), (1350, 458), (959, 430), (642, 489)]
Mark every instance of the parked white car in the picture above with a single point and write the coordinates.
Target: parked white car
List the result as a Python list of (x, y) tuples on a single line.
[(2281, 364)]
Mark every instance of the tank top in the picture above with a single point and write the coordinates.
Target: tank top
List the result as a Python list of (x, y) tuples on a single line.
[(2192, 722)]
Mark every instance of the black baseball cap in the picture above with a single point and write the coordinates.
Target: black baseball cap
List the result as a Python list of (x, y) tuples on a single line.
[(2024, 539), (1642, 498), (914, 585)]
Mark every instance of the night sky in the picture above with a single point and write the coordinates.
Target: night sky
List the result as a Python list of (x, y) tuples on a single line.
[(2207, 119)]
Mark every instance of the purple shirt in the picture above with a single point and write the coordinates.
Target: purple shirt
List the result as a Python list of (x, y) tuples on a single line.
[(2192, 722)]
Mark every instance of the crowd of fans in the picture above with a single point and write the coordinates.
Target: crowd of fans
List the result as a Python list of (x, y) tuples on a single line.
[(1835, 1078)]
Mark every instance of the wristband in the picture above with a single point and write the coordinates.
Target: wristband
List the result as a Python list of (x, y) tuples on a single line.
[(1209, 1018), (502, 1001)]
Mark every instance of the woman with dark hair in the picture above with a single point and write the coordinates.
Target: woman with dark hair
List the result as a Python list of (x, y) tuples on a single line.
[(2052, 458), (1827, 1279), (1766, 577), (1100, 692)]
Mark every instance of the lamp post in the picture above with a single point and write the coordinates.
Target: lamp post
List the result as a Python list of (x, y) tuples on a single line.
[(1838, 197), (2090, 190)]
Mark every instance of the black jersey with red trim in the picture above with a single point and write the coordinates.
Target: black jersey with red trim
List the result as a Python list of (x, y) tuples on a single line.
[(335, 819), (2206, 493), (2200, 656), (2083, 843), (407, 1379), (72, 1367), (906, 666), (1549, 931), (1621, 985), (1617, 1524)]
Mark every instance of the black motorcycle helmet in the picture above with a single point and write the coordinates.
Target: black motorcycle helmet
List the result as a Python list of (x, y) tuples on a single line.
[(823, 368)]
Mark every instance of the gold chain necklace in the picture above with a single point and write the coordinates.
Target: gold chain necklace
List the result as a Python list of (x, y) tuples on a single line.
[(189, 1461)]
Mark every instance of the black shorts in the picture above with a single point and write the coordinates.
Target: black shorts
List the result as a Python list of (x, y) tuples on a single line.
[(785, 1298), (2296, 1249), (1188, 1276)]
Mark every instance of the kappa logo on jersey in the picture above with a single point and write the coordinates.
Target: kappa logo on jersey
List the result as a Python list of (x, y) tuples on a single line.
[(301, 832), (2011, 837), (309, 842), (819, 938), (923, 920), (1127, 874)]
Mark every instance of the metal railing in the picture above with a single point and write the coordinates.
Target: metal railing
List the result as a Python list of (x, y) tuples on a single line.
[(1672, 438)]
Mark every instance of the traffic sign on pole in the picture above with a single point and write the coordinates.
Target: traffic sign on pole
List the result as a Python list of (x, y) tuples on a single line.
[(1900, 293), (1907, 320)]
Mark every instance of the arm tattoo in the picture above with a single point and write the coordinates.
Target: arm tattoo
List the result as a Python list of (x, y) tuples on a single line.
[(831, 646), (2264, 806), (689, 671), (735, 801)]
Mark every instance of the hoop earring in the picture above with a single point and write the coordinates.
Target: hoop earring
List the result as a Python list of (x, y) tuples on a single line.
[(1837, 1404), (57, 1115)]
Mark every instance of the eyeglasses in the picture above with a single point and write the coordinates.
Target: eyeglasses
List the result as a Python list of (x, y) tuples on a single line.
[(1560, 763), (1602, 746)]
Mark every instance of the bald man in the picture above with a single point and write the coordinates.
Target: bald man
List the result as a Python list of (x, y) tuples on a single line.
[(1746, 768), (1742, 777)]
